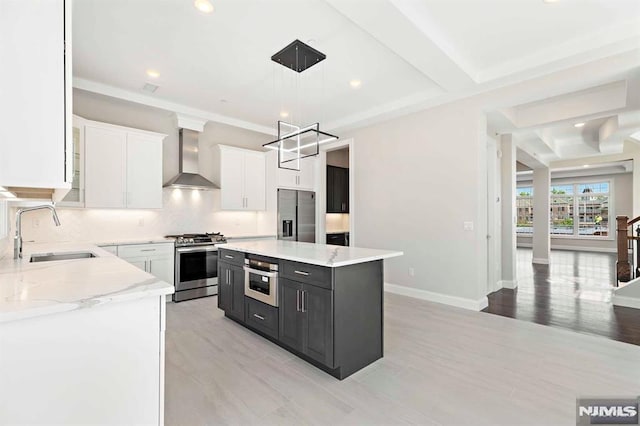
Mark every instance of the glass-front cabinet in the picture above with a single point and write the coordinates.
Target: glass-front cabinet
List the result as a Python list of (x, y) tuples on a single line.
[(75, 196)]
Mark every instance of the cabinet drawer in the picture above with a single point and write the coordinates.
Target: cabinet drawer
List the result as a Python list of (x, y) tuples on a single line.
[(137, 250), (261, 316), (305, 273), (232, 257)]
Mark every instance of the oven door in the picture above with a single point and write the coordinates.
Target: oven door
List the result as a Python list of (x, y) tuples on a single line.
[(261, 285), (196, 267)]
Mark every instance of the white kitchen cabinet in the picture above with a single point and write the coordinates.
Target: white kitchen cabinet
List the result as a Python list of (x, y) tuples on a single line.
[(294, 179), (156, 259), (35, 89), (242, 179), (123, 167)]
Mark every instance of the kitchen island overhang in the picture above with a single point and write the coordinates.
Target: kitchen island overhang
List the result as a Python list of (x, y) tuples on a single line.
[(329, 306)]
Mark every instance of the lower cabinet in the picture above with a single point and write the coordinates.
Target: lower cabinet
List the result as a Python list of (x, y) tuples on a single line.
[(156, 259), (231, 290), (306, 314), (261, 317)]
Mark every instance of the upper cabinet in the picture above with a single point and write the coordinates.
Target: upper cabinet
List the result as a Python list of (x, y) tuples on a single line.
[(337, 189), (75, 196), (294, 179), (242, 179), (123, 167), (35, 88)]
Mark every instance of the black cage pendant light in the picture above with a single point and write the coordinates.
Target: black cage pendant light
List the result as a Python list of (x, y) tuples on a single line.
[(296, 142)]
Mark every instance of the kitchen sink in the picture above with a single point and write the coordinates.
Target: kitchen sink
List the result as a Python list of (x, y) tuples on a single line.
[(48, 257)]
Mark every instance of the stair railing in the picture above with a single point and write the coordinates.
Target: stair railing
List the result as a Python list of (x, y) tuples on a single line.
[(628, 263)]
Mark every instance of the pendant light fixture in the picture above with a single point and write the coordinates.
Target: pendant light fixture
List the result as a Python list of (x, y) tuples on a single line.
[(296, 142)]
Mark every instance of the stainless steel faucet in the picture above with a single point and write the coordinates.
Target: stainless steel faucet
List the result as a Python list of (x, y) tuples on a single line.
[(17, 241)]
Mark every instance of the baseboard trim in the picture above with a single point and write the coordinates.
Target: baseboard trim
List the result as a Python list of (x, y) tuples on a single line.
[(508, 284), (575, 248), (540, 261), (459, 302), (627, 302)]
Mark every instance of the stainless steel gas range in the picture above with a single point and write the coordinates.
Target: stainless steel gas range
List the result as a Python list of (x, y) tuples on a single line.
[(196, 265)]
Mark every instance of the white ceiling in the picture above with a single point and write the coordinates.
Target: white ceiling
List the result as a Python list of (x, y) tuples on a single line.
[(405, 52)]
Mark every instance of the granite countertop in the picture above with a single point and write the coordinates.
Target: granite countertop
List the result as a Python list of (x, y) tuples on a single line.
[(315, 254), (43, 288)]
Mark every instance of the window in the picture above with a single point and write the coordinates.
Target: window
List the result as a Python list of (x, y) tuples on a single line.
[(524, 207), (576, 209)]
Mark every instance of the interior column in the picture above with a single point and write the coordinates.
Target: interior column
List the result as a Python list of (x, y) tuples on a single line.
[(541, 209), (508, 211)]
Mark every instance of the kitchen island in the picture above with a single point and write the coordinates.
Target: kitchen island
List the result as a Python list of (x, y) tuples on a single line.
[(323, 303), (81, 340)]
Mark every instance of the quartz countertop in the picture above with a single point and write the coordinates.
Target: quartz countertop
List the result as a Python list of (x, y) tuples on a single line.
[(125, 242), (315, 254), (42, 288)]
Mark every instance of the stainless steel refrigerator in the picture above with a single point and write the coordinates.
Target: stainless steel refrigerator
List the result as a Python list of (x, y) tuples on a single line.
[(296, 215)]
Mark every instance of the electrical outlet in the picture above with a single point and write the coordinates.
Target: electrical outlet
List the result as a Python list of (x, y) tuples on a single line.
[(468, 226), (140, 222), (412, 272)]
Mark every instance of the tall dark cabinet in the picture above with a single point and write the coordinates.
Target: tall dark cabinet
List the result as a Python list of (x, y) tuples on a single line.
[(337, 189)]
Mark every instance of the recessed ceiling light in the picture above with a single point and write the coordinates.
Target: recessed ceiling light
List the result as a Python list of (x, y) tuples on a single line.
[(355, 83), (203, 6), (284, 114), (550, 1), (578, 125), (585, 165), (148, 87), (153, 73)]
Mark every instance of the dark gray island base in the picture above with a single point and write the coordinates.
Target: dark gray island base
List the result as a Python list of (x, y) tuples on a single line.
[(332, 317)]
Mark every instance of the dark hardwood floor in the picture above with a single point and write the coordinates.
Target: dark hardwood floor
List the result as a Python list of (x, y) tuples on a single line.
[(573, 292)]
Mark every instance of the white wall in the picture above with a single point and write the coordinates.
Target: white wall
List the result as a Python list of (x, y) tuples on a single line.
[(418, 179)]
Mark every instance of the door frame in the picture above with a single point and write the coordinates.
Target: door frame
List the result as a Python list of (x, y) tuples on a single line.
[(321, 192)]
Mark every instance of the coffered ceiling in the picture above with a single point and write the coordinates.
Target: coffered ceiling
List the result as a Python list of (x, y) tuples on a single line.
[(405, 53)]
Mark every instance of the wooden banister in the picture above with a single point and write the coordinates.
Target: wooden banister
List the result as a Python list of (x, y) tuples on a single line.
[(623, 267)]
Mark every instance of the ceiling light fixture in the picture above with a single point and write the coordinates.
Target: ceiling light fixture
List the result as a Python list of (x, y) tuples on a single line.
[(153, 73), (550, 1), (578, 125), (294, 141), (586, 165), (203, 6), (355, 83)]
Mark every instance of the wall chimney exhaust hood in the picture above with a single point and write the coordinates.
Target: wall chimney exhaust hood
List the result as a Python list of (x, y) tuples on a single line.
[(188, 174)]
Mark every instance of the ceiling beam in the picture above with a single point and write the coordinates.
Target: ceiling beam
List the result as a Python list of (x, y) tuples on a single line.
[(114, 92), (406, 28)]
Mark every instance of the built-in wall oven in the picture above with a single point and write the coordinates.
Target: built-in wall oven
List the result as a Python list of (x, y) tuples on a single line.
[(261, 281), (196, 266)]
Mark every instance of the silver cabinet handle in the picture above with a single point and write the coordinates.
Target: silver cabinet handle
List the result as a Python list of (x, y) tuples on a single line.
[(301, 273), (150, 267), (148, 250), (145, 266), (261, 318), (228, 257), (297, 300), (302, 302)]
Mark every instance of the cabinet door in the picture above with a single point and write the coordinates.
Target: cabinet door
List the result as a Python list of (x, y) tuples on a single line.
[(286, 178), (32, 89), (144, 172), (224, 286), (318, 309), (345, 190), (161, 267), (331, 193), (254, 182), (138, 262), (306, 176), (291, 316), (231, 179), (105, 151), (236, 308)]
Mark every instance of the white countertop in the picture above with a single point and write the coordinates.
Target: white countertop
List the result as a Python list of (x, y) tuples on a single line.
[(315, 254), (125, 242), (43, 288)]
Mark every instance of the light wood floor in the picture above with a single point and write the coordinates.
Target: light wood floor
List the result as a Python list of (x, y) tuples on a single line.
[(442, 365)]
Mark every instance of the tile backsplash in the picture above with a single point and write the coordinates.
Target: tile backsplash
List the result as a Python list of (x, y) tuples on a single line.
[(337, 222), (184, 211)]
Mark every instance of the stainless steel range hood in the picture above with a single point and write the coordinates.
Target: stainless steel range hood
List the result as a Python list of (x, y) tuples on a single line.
[(188, 174)]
